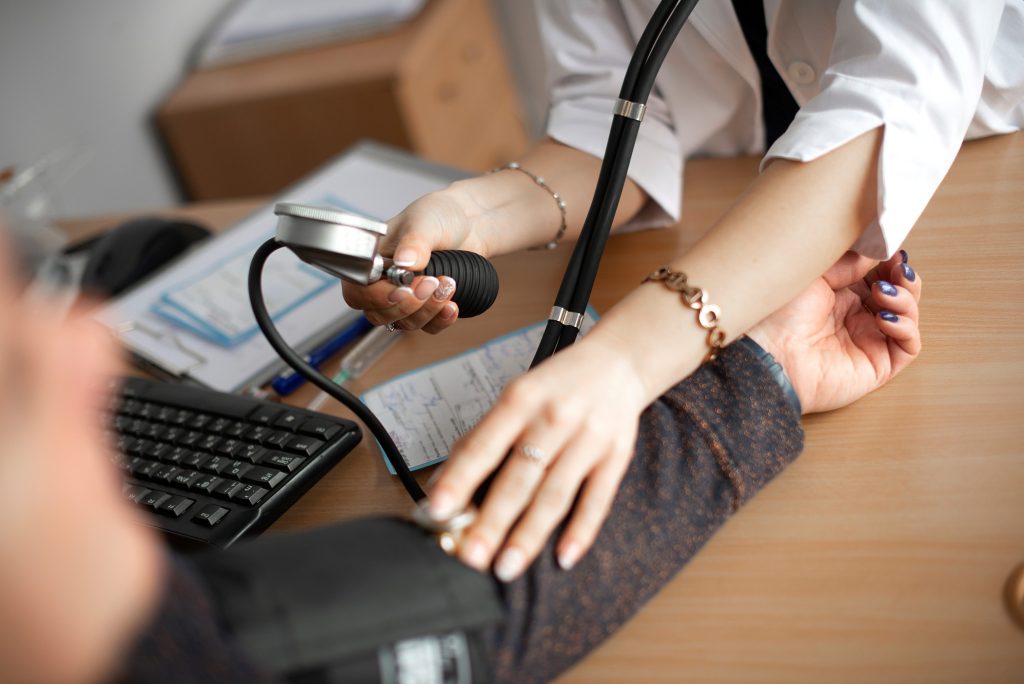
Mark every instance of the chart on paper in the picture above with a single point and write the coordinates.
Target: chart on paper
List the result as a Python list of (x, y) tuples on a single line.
[(427, 409)]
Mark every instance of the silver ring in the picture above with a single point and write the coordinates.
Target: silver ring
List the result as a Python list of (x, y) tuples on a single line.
[(390, 327), (534, 455)]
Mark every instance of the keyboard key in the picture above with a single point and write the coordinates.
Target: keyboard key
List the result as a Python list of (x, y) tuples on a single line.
[(264, 415), (165, 414), (137, 427), (258, 434), (283, 461), (140, 467), (227, 488), (300, 444), (250, 494), (208, 443), (155, 431), (289, 421), (236, 430), (157, 451), (121, 423), (236, 470), (276, 438), (229, 447), (173, 434), (131, 407), (199, 420), (181, 417), (166, 474), (139, 447), (185, 478), (217, 425), (216, 464), (205, 484), (190, 438), (250, 453), (210, 515), (320, 428), (134, 492), (126, 444), (177, 455), (264, 476), (175, 506), (195, 460), (147, 410), (153, 499)]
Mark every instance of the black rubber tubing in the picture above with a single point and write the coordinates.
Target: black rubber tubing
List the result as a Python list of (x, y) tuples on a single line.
[(295, 360)]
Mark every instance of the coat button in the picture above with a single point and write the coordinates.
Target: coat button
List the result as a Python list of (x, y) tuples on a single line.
[(802, 73)]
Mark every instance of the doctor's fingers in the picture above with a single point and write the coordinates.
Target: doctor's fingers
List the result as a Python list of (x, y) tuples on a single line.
[(383, 303), (513, 491), (481, 450), (435, 310), (583, 480)]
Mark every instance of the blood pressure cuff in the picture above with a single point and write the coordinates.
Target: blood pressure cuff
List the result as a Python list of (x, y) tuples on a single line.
[(369, 600)]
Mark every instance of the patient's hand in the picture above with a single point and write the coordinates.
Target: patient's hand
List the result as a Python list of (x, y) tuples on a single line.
[(77, 573), (833, 349)]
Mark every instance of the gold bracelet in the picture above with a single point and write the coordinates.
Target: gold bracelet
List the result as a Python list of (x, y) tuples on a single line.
[(514, 166), (697, 299)]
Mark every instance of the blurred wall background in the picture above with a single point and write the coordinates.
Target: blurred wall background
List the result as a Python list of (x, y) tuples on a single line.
[(86, 76)]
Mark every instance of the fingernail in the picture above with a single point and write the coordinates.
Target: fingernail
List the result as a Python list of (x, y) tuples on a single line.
[(476, 554), (904, 255), (569, 556), (405, 257), (510, 564), (448, 312), (445, 289), (442, 505), (888, 316), (399, 294), (426, 287), (887, 288), (908, 272)]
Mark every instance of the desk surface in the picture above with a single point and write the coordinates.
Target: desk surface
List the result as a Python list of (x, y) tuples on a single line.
[(882, 553)]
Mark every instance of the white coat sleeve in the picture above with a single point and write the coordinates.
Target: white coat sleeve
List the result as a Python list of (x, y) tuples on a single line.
[(914, 68), (587, 48)]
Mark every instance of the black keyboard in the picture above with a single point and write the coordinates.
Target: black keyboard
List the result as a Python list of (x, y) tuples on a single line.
[(212, 468)]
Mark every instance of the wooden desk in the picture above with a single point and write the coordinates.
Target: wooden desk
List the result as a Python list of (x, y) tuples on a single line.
[(882, 553)]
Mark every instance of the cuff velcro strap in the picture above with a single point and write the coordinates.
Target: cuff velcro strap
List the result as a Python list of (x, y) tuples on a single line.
[(775, 368)]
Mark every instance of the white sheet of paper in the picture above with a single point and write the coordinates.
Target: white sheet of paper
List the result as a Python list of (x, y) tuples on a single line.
[(427, 409)]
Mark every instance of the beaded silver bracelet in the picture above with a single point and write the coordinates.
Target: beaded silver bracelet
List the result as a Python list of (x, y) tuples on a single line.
[(539, 180)]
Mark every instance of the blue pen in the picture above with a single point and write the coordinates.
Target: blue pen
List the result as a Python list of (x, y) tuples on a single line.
[(288, 382)]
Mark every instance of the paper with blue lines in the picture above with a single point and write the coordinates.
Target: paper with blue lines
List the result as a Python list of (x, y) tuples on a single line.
[(427, 409)]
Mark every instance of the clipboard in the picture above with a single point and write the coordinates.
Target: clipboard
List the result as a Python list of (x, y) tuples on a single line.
[(371, 178)]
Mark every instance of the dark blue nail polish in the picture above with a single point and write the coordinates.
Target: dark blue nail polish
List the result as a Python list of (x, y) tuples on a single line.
[(887, 288), (904, 255), (888, 316), (908, 272)]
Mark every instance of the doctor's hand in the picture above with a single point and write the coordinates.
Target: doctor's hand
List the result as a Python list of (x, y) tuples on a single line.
[(849, 333), (433, 222), (570, 425)]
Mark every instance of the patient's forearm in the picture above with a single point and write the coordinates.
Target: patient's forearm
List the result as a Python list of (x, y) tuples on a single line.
[(704, 448)]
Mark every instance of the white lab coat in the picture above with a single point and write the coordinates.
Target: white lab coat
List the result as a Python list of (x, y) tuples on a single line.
[(931, 72)]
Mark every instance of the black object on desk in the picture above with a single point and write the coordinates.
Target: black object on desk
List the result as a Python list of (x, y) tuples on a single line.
[(133, 250), (212, 468)]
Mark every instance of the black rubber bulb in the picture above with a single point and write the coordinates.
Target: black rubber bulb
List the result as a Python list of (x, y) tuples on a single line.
[(476, 281)]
